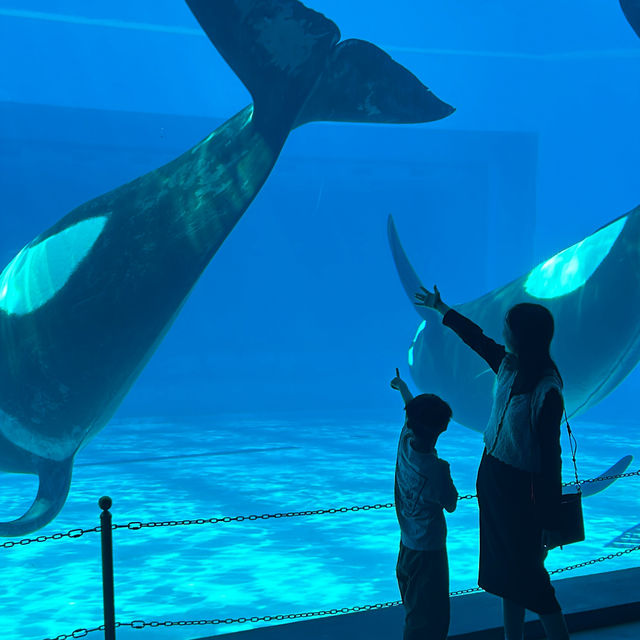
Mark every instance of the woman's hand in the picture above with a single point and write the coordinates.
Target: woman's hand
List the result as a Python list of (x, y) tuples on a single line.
[(432, 300)]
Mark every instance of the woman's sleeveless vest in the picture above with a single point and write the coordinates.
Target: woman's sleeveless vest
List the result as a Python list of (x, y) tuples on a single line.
[(511, 435)]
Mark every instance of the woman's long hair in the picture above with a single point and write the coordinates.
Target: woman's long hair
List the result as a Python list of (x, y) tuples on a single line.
[(532, 328)]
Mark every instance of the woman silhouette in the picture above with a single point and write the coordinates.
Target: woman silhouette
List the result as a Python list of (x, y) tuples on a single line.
[(519, 480)]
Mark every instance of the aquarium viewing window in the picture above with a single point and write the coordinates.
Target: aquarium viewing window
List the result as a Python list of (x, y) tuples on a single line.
[(265, 389)]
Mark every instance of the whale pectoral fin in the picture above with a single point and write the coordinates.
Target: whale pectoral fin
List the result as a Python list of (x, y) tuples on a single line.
[(631, 9), (604, 480), (55, 479), (408, 277), (362, 83)]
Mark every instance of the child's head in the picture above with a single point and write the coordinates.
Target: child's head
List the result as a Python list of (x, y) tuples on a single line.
[(427, 416)]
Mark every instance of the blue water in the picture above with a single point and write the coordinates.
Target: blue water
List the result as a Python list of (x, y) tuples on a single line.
[(259, 568), (288, 341)]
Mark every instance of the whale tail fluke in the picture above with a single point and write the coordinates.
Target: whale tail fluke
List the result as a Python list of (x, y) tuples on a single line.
[(631, 10), (278, 49), (288, 58), (55, 479), (362, 83)]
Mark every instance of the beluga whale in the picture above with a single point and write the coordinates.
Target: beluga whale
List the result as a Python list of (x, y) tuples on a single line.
[(85, 304), (591, 288)]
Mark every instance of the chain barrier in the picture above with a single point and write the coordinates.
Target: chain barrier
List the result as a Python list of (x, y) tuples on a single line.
[(611, 556), (141, 624), (629, 474), (79, 633), (72, 533), (135, 526)]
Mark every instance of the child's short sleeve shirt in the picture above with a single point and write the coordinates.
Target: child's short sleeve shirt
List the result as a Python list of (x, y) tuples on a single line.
[(423, 486)]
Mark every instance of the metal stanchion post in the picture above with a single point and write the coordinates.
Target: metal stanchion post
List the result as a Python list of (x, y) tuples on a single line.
[(107, 568)]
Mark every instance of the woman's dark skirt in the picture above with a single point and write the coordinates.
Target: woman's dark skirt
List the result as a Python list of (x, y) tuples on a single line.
[(511, 554)]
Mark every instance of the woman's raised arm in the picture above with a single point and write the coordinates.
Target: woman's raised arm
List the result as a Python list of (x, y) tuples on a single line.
[(469, 332)]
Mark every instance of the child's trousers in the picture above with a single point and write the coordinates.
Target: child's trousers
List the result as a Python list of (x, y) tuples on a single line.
[(423, 578)]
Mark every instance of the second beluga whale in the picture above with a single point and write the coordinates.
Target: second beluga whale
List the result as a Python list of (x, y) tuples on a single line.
[(84, 305)]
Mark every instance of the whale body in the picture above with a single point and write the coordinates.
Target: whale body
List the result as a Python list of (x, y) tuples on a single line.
[(85, 304), (631, 9), (591, 288)]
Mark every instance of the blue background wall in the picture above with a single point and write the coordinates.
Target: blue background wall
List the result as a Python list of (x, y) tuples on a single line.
[(301, 308)]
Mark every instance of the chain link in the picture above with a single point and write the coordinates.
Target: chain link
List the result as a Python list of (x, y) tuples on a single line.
[(72, 533), (462, 592), (78, 633)]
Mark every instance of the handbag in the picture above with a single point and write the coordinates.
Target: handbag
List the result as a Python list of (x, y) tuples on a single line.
[(570, 518)]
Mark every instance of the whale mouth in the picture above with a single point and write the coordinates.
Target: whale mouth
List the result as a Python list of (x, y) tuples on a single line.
[(571, 268)]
